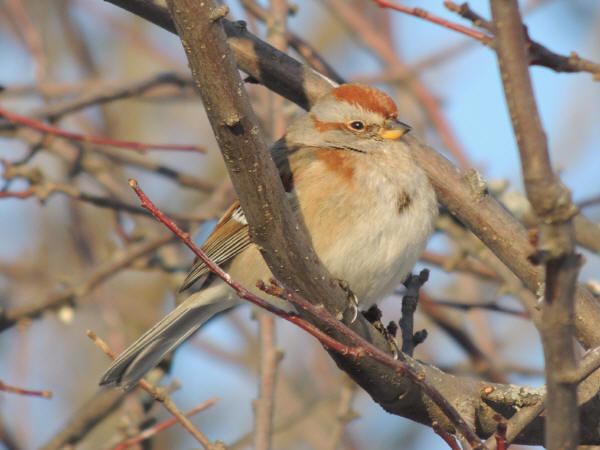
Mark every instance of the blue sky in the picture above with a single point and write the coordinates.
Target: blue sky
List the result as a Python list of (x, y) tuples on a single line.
[(469, 90)]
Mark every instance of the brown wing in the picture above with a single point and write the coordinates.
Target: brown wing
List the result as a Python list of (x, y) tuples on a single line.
[(229, 238)]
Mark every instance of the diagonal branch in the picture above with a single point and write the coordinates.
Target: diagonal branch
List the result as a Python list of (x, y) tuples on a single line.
[(72, 295)]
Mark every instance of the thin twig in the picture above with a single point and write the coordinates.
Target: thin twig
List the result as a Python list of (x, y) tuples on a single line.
[(344, 412), (269, 356), (42, 188), (73, 295), (459, 263), (137, 146), (71, 152), (21, 391), (105, 94), (31, 36), (426, 15), (159, 394), (490, 306), (311, 56), (500, 436), (460, 335), (264, 405), (447, 437), (150, 432), (537, 54)]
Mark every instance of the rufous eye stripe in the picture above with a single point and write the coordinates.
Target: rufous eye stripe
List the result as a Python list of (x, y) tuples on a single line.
[(326, 126)]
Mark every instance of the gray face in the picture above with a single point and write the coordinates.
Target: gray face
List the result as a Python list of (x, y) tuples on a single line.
[(334, 123)]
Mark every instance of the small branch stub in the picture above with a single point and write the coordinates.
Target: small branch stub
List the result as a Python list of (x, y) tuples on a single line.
[(218, 13)]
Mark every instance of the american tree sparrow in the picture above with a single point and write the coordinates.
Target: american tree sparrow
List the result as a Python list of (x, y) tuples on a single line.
[(368, 208)]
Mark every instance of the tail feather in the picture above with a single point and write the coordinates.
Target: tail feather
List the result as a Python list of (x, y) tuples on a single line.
[(172, 330)]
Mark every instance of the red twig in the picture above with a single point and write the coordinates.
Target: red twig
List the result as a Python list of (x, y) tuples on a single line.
[(149, 432), (501, 436), (23, 194), (360, 347), (16, 390), (447, 437), (422, 14), (15, 118)]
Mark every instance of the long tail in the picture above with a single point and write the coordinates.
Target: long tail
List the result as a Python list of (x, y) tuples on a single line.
[(176, 327)]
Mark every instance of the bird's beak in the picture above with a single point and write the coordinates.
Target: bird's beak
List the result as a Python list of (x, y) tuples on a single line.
[(393, 129)]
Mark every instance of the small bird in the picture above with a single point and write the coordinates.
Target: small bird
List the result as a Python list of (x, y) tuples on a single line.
[(367, 205)]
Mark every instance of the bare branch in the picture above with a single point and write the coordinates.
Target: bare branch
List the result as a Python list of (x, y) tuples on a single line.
[(107, 94), (160, 395), (537, 54), (71, 296), (137, 146), (552, 202), (150, 432)]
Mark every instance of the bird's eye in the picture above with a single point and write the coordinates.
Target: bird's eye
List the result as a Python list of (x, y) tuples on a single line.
[(356, 125)]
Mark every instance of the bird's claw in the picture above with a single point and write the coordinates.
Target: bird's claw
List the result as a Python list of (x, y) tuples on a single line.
[(352, 309), (373, 316)]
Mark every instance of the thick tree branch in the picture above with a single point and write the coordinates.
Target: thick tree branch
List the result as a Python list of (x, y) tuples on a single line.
[(551, 201)]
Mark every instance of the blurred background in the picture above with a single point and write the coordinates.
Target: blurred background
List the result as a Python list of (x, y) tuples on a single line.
[(70, 250)]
